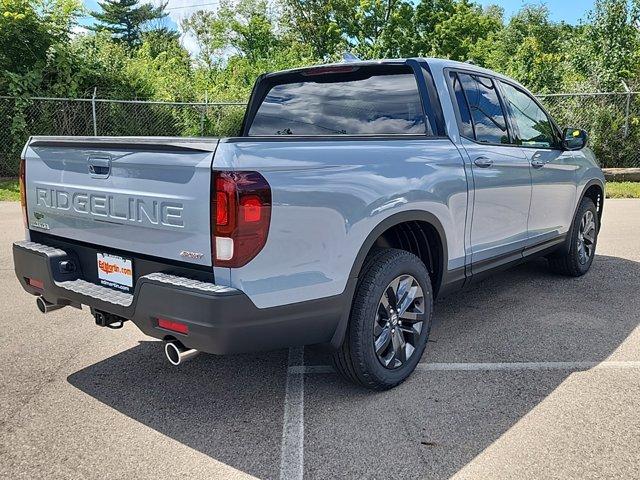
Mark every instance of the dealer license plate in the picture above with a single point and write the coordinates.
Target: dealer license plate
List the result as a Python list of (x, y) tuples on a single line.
[(115, 271)]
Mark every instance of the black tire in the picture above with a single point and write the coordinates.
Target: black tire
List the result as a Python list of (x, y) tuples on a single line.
[(357, 359), (573, 262)]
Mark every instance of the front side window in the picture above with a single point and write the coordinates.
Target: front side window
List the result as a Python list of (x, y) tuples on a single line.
[(534, 127), (365, 101), (489, 122)]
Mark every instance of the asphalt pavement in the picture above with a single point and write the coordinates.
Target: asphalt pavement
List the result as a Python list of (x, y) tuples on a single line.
[(527, 375)]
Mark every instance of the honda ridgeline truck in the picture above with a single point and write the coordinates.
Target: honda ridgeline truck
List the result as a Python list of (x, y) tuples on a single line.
[(354, 195)]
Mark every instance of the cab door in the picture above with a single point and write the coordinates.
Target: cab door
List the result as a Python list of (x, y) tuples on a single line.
[(552, 169), (501, 176)]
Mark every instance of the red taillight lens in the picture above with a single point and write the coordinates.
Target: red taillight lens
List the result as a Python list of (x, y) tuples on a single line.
[(173, 326), (34, 282), (251, 207), (222, 208), (242, 206), (22, 182)]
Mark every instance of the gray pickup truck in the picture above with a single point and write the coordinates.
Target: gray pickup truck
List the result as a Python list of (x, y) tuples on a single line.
[(354, 195)]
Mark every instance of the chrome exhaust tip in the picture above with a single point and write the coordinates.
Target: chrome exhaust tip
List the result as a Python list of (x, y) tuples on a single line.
[(177, 353), (45, 307)]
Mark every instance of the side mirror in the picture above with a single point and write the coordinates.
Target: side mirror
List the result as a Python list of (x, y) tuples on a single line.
[(574, 139)]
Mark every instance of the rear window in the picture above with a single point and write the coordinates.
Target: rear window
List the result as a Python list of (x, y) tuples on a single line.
[(365, 101)]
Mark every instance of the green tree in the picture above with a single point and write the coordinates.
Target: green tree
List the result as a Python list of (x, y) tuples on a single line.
[(163, 67), (375, 28), (451, 28), (608, 49), (457, 34), (28, 30), (244, 28), (34, 44), (313, 22), (125, 20), (238, 42), (531, 48)]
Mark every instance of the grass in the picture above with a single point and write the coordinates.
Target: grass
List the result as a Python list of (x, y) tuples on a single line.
[(9, 190), (623, 189)]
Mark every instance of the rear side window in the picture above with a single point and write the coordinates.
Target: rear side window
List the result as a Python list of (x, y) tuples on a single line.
[(466, 126), (364, 101), (488, 118)]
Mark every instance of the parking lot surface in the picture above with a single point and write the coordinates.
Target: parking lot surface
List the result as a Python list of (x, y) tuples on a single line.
[(527, 375)]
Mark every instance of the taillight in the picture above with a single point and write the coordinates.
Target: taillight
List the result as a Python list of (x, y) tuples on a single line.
[(241, 213), (22, 182)]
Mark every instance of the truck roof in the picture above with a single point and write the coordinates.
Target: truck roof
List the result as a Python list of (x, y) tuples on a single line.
[(433, 62)]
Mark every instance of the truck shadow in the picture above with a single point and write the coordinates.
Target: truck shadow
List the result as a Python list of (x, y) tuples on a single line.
[(231, 408)]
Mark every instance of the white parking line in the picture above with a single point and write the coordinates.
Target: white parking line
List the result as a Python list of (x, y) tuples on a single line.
[(307, 369), (511, 366), (292, 446), (527, 366)]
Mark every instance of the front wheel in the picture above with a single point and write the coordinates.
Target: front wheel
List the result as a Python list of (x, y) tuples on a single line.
[(389, 322), (583, 239)]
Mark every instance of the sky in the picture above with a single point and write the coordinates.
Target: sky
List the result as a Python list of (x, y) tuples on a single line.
[(177, 9), (560, 10)]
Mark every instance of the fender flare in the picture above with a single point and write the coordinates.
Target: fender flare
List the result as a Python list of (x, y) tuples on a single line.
[(566, 246), (588, 185), (383, 226)]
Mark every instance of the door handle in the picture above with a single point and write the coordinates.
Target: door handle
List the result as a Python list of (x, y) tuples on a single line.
[(483, 162), (537, 163)]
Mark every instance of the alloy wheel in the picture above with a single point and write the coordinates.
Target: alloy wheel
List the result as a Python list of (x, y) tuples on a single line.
[(586, 237), (399, 321)]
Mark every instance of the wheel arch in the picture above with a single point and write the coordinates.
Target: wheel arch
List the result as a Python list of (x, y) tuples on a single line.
[(594, 189), (439, 257)]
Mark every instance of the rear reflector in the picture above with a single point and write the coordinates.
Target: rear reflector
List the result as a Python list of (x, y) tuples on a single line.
[(36, 283), (173, 326)]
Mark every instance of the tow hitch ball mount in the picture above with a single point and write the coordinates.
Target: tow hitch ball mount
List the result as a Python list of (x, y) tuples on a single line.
[(106, 319)]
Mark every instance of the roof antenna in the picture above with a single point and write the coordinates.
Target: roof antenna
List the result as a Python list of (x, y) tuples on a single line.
[(348, 57), (470, 62)]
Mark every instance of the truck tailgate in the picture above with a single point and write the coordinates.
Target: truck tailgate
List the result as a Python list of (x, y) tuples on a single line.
[(141, 195)]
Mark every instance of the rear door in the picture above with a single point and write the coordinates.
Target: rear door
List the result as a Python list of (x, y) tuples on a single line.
[(501, 177), (133, 195)]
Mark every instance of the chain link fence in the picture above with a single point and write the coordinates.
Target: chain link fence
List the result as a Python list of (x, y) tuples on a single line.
[(612, 120), (21, 118)]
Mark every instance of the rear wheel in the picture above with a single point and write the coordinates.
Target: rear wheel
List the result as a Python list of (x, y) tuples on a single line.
[(584, 237), (389, 322)]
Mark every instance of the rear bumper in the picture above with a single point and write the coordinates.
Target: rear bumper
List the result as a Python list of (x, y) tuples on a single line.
[(221, 319)]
